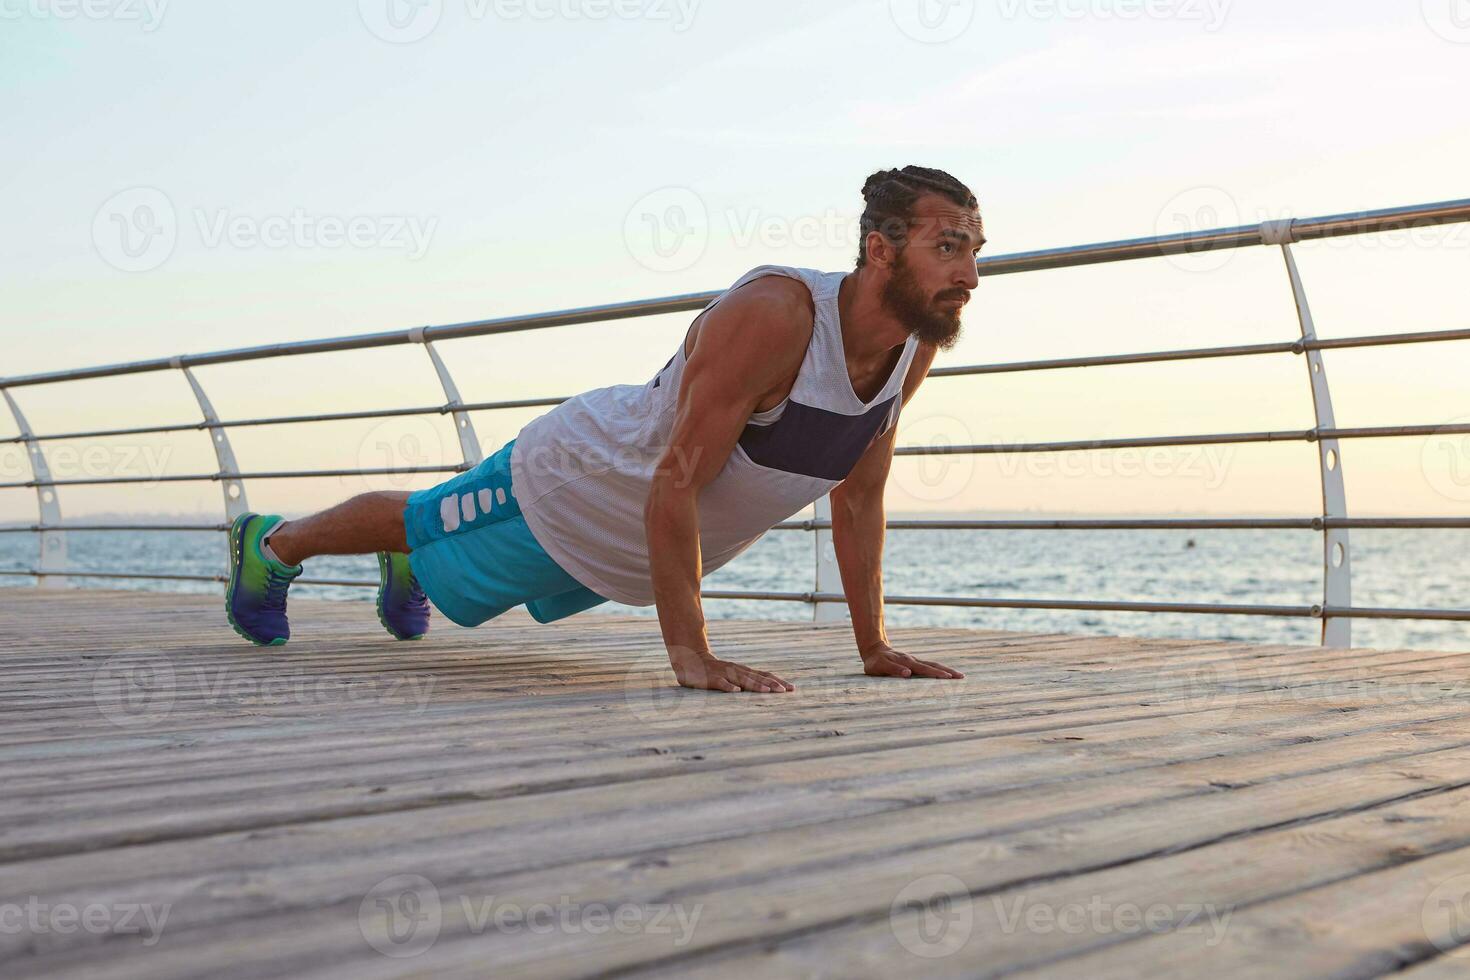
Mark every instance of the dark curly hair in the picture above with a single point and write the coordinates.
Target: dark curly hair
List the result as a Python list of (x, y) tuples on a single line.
[(890, 196)]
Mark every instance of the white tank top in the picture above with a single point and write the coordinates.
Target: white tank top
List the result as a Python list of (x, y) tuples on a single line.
[(582, 472)]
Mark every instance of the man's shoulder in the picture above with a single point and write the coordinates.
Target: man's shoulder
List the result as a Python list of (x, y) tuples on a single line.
[(781, 295)]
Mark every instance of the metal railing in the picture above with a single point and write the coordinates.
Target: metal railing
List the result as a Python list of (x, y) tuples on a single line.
[(1336, 610)]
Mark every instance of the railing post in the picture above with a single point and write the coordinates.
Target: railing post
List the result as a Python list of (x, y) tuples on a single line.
[(469, 443), (229, 471), (50, 539), (828, 575), (1337, 557)]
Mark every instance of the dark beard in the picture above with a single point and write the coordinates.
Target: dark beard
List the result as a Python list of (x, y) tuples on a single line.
[(903, 298)]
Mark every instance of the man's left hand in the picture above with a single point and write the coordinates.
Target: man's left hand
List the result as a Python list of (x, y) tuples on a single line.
[(881, 660)]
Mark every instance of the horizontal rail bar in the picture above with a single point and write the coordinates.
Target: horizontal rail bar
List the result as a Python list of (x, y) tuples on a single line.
[(1202, 353), (1235, 438), (1211, 609), (1360, 612), (1285, 347), (1303, 229), (41, 528), (1075, 604), (1314, 612), (1155, 524), (106, 433), (1306, 229), (211, 477), (221, 579), (384, 413), (1123, 524), (389, 338)]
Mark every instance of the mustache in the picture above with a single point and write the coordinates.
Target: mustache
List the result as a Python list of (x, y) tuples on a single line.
[(960, 294)]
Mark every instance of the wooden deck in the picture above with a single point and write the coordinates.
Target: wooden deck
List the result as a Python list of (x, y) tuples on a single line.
[(525, 800)]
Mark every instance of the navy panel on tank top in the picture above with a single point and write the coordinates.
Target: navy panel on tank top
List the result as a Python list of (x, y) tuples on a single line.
[(813, 441)]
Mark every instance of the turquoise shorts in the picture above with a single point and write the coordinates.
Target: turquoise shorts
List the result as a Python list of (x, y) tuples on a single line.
[(474, 556)]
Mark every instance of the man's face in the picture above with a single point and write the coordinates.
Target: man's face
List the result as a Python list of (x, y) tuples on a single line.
[(934, 274)]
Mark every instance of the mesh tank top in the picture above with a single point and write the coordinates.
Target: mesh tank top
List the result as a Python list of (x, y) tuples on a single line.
[(582, 472)]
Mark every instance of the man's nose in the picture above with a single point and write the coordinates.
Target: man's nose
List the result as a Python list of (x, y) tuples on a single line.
[(969, 276)]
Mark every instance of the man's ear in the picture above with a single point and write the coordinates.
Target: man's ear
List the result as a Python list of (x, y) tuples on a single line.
[(881, 250)]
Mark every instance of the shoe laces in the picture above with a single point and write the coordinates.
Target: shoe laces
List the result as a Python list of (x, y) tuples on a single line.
[(276, 584), (416, 596)]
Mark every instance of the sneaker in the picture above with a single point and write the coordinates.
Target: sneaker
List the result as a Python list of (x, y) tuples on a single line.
[(403, 609), (255, 601)]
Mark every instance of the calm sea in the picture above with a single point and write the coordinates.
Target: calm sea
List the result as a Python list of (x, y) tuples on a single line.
[(1424, 569)]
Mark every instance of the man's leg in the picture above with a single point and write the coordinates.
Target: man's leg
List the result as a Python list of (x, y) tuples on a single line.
[(266, 555), (364, 525)]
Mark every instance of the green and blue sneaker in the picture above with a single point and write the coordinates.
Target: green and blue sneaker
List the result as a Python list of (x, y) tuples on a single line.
[(403, 609), (255, 601)]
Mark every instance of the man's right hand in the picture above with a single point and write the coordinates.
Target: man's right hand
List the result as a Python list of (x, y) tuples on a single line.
[(706, 672)]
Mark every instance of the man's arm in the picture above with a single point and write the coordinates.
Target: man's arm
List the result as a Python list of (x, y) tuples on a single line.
[(747, 346), (858, 524)]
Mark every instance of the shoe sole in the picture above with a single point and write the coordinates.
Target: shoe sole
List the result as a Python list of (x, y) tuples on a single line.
[(236, 535), (382, 588)]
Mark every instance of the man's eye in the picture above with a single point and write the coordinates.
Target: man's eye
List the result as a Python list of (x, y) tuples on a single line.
[(946, 248)]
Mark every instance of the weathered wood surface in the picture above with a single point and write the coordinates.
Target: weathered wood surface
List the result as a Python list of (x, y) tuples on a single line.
[(526, 800)]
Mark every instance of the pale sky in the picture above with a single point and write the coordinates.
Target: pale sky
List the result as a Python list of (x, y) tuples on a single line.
[(343, 167)]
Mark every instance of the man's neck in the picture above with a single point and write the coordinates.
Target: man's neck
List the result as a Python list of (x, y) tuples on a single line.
[(869, 332)]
